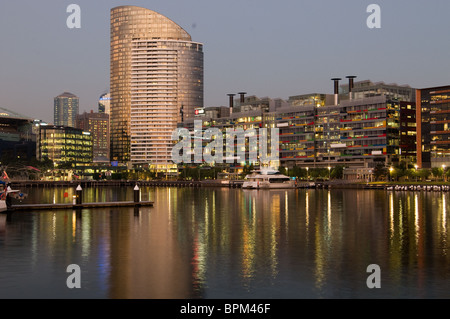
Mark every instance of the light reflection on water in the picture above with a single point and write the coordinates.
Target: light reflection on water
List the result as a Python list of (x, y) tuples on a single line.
[(229, 243)]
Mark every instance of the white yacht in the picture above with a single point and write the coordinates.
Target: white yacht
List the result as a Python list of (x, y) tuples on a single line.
[(267, 178)]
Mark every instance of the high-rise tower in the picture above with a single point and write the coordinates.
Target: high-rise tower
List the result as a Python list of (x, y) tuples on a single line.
[(104, 103), (66, 109), (156, 70)]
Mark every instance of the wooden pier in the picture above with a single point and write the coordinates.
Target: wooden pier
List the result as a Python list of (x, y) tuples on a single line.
[(28, 207), (78, 204)]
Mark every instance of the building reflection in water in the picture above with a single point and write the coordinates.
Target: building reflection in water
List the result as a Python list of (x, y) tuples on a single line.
[(147, 261), (443, 222), (2, 223)]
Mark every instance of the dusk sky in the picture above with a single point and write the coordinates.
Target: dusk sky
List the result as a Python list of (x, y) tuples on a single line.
[(266, 48)]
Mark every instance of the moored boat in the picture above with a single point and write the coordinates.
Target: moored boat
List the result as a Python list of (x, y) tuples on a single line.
[(267, 178), (5, 198)]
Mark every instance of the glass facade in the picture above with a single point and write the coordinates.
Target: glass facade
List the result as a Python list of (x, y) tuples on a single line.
[(104, 103), (66, 108), (408, 131), (156, 70), (433, 118), (98, 125), (355, 133), (17, 140), (64, 145)]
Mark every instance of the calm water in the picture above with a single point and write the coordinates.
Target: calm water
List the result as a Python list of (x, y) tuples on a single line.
[(230, 243)]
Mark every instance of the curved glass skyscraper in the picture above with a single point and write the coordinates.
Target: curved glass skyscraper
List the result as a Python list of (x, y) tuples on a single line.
[(156, 71)]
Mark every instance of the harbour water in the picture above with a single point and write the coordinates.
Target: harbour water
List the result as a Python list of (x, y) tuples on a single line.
[(229, 243)]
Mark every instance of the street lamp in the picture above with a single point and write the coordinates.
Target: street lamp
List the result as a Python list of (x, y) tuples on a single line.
[(307, 176), (391, 169), (416, 167), (329, 173)]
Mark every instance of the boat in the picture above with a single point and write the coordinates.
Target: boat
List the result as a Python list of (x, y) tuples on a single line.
[(5, 198), (267, 178)]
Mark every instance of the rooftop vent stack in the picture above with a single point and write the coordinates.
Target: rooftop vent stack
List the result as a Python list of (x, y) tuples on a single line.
[(350, 86), (231, 102), (336, 90), (242, 94)]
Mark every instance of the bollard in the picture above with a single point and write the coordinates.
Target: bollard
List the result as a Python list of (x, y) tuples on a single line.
[(136, 194), (74, 197), (78, 192)]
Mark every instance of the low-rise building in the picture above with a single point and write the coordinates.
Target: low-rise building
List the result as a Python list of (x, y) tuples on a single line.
[(374, 126), (63, 144), (17, 140)]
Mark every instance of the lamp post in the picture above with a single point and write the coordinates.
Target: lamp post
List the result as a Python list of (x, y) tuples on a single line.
[(443, 172), (307, 175), (391, 169), (329, 173), (416, 167)]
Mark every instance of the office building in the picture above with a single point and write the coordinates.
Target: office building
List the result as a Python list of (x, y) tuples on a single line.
[(365, 89), (63, 144), (65, 109), (104, 103), (17, 141), (156, 79), (319, 130), (433, 132), (247, 121), (98, 125), (408, 132)]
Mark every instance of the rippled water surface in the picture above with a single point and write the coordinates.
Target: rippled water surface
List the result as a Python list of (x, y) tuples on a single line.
[(229, 243)]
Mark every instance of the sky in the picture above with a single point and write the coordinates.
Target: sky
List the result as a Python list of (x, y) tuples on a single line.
[(265, 48)]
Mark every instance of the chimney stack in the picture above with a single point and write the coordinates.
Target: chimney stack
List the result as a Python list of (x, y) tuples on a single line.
[(350, 86), (231, 102), (242, 94), (336, 90)]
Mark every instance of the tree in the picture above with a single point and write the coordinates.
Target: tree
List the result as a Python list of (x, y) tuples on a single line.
[(247, 169), (380, 172), (437, 172), (423, 173), (298, 172), (282, 170), (412, 174), (318, 173), (337, 172), (398, 173)]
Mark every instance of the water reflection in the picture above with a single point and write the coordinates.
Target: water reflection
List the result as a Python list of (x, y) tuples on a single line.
[(230, 243), (2, 223)]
